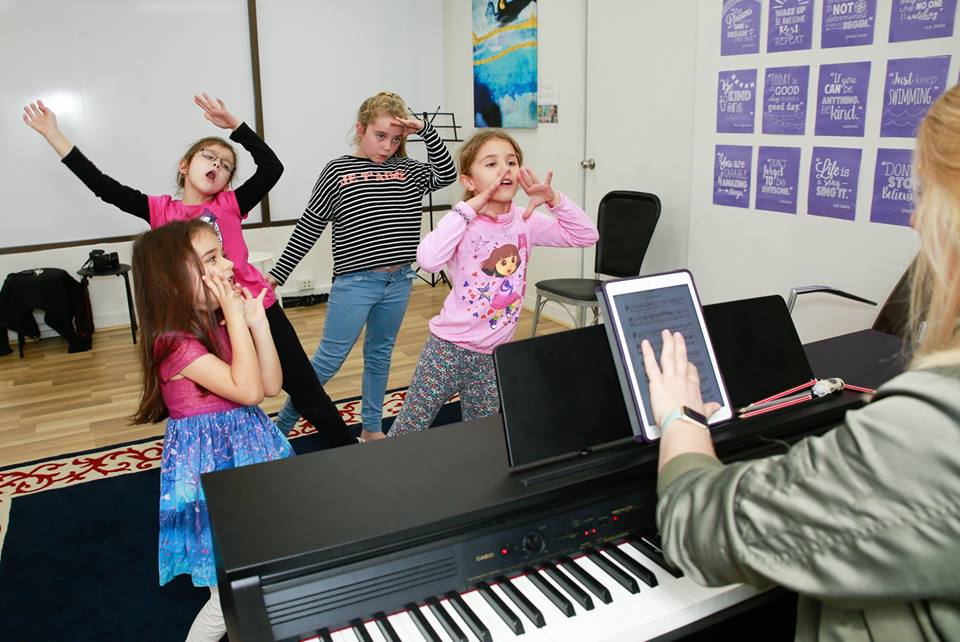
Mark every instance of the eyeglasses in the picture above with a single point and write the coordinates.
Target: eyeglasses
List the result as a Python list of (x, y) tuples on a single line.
[(224, 163)]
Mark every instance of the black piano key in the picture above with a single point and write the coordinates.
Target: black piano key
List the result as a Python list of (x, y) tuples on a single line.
[(655, 555), (614, 571), (429, 634), (360, 630), (324, 635), (522, 602), (385, 627), (447, 622), (639, 570), (595, 587), (509, 617), (563, 581), (474, 623), (552, 594)]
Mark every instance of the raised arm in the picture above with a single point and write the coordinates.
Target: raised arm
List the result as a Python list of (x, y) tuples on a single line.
[(441, 170), (269, 167), (438, 247), (42, 119), (240, 380), (568, 227)]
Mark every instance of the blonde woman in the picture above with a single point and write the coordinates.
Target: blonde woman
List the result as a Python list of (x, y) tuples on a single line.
[(374, 199), (863, 522)]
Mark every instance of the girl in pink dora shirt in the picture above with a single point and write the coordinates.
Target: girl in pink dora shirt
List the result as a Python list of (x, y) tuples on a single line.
[(204, 174), (208, 359), (485, 244)]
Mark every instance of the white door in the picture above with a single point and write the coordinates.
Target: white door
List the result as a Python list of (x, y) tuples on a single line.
[(639, 114)]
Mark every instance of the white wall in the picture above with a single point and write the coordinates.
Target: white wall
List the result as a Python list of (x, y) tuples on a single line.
[(736, 253)]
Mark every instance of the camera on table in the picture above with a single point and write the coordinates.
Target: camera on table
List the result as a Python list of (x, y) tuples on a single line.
[(101, 261)]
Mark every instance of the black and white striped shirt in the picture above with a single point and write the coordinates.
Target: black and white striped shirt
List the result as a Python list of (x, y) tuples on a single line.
[(376, 209)]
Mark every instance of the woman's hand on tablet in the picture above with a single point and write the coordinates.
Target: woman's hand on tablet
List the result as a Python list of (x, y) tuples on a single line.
[(674, 382)]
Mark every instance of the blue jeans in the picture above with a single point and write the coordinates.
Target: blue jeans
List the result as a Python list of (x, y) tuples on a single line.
[(379, 301)]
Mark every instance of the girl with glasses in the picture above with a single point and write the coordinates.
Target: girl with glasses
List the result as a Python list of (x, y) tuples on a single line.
[(374, 200), (204, 174)]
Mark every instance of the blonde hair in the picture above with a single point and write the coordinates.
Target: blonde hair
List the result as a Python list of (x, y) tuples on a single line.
[(383, 104), (471, 147), (935, 285), (196, 147)]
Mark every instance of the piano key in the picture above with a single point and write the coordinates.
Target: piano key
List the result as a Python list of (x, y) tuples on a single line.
[(526, 606), (343, 635), (614, 571), (474, 623), (420, 620), (568, 585), (655, 554), (550, 591), (682, 589), (553, 619), (403, 623), (446, 621), (360, 630), (509, 617), (324, 635), (592, 584), (499, 630), (639, 571), (386, 628)]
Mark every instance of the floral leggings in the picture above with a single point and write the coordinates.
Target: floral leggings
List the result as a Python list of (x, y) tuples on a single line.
[(444, 369)]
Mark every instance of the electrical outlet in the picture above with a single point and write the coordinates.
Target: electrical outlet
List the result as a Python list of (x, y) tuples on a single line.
[(305, 282)]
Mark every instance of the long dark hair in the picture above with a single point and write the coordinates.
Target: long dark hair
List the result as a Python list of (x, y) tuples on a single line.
[(166, 275)]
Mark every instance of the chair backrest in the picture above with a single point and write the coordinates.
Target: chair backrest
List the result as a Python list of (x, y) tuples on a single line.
[(626, 221), (893, 316)]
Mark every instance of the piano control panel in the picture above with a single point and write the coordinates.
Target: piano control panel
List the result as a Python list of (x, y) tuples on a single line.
[(515, 547)]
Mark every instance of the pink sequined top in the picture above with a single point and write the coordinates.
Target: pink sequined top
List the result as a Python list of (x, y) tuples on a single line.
[(183, 397)]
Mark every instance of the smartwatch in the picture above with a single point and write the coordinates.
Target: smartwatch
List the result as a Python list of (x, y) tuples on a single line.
[(687, 414)]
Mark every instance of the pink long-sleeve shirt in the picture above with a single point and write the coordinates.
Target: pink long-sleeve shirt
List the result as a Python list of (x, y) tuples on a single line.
[(486, 261)]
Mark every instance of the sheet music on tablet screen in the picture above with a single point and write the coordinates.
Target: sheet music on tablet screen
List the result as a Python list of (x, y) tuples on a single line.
[(644, 315)]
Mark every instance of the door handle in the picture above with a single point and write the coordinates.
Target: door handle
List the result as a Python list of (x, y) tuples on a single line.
[(588, 163)]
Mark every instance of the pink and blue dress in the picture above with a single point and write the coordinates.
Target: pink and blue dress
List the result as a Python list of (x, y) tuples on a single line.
[(205, 432)]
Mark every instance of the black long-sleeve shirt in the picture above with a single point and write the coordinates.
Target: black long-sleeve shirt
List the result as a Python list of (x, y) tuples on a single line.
[(376, 209), (132, 201)]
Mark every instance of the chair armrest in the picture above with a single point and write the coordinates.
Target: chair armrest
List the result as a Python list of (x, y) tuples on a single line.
[(826, 289)]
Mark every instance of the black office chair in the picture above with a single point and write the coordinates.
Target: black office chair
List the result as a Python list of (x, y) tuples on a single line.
[(626, 221)]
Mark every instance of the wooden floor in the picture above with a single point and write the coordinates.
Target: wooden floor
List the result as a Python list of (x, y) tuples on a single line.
[(53, 403)]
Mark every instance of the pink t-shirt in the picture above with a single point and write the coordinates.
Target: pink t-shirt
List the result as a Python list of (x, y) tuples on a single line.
[(487, 264), (183, 397), (223, 213)]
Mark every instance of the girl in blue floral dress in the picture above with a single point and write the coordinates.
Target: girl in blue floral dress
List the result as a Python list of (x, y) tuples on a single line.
[(208, 360)]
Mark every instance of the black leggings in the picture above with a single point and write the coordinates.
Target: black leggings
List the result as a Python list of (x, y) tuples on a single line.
[(301, 383)]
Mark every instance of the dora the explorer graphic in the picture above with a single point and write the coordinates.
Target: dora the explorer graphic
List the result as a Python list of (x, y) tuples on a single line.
[(505, 296)]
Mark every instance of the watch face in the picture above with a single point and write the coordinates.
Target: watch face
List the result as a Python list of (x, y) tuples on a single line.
[(693, 414)]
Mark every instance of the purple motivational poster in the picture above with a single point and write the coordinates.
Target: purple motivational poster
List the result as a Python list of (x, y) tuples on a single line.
[(739, 27), (912, 84), (785, 100), (778, 173), (736, 101), (922, 19), (834, 172), (847, 23), (731, 175), (842, 99), (790, 26), (892, 187)]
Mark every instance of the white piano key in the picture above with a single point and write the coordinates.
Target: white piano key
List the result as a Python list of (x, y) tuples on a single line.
[(499, 631), (343, 635), (456, 618), (670, 585), (554, 618), (435, 623), (374, 631), (405, 627)]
